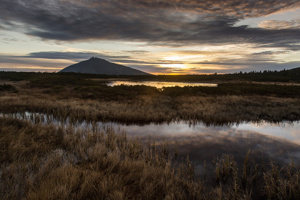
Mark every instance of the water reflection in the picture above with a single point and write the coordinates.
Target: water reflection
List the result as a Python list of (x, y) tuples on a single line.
[(288, 131), (267, 141), (160, 85), (279, 143)]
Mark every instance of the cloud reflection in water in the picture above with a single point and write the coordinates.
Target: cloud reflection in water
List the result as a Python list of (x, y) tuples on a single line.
[(277, 142)]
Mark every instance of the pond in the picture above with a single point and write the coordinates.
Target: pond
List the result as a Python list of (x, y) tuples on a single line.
[(279, 143), (160, 85)]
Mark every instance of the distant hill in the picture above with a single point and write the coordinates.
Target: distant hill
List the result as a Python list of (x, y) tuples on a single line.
[(100, 66), (294, 71)]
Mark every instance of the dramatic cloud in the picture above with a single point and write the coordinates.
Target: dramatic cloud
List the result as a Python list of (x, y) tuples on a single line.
[(161, 36), (158, 21)]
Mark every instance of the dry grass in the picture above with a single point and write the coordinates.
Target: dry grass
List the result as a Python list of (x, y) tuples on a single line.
[(50, 162), (46, 162), (146, 109)]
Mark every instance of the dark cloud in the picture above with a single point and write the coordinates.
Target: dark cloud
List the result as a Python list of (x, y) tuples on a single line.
[(167, 22), (270, 53), (74, 56), (26, 69), (264, 53), (29, 61), (63, 55), (250, 8), (287, 46)]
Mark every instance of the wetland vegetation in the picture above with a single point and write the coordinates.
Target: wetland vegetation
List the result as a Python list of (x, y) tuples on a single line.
[(81, 98), (47, 161), (51, 162)]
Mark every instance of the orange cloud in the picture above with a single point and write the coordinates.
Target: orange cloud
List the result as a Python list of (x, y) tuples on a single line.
[(277, 25)]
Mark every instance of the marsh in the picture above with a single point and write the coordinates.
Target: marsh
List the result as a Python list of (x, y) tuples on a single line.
[(199, 138)]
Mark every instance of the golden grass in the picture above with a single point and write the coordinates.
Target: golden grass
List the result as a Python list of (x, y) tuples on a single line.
[(40, 162), (50, 162), (146, 109), (155, 108)]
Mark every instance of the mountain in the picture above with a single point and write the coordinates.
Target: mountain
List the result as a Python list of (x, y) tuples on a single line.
[(100, 66)]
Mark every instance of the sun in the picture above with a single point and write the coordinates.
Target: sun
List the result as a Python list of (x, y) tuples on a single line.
[(177, 62)]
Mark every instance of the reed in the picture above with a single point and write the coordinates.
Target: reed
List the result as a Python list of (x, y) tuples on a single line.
[(159, 109), (52, 162), (40, 160), (78, 98)]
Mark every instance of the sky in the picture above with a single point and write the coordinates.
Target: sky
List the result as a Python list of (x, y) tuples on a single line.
[(155, 36)]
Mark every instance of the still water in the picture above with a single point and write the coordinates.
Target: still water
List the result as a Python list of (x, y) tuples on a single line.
[(287, 131), (267, 141), (160, 85), (279, 142)]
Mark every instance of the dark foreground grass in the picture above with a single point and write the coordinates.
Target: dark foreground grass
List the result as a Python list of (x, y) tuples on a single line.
[(48, 162), (6, 87)]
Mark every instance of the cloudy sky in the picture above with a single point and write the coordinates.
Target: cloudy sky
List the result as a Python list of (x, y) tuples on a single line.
[(156, 36)]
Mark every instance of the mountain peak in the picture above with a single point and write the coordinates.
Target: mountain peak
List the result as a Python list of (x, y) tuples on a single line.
[(95, 58), (97, 65)]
